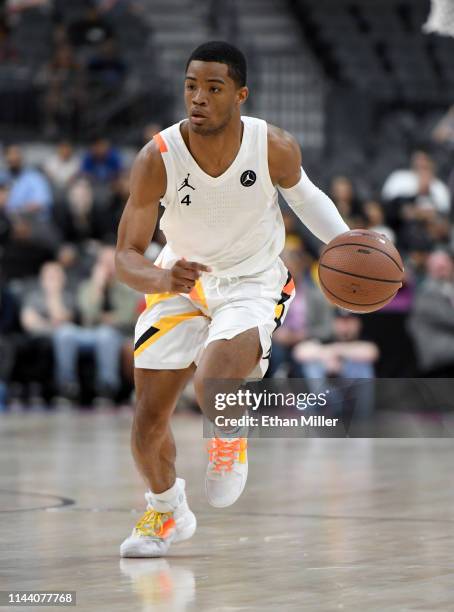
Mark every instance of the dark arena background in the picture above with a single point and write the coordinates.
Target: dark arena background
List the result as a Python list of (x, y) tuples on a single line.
[(361, 522)]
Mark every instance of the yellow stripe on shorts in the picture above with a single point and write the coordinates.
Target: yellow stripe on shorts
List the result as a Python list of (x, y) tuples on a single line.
[(161, 327), (153, 298)]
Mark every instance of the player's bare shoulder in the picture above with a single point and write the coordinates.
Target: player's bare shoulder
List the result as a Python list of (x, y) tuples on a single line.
[(284, 156), (148, 175)]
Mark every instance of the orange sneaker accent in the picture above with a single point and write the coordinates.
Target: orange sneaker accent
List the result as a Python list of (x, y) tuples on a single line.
[(166, 528), (223, 452)]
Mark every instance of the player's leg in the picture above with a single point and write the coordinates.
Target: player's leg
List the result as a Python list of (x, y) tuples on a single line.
[(168, 517), (152, 443), (224, 359), (238, 347), (169, 336)]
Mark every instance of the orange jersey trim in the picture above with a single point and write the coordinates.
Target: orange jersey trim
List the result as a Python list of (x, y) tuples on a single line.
[(161, 143)]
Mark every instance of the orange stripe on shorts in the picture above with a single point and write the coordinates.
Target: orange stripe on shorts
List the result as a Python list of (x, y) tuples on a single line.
[(160, 142), (289, 287)]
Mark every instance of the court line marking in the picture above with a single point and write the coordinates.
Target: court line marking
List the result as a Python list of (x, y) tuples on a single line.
[(63, 501)]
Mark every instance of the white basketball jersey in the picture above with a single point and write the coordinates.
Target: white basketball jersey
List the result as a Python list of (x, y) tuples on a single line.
[(233, 222)]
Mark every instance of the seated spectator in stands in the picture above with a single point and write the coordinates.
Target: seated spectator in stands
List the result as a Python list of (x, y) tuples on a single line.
[(30, 191), (46, 309), (92, 29), (102, 162), (416, 260), (65, 96), (343, 195), (419, 185), (309, 317), (108, 311), (9, 328), (418, 203), (375, 219), (107, 217), (73, 264), (432, 319), (106, 68), (346, 356), (63, 166), (34, 236), (75, 216)]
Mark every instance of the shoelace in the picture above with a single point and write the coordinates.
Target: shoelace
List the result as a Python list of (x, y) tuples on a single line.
[(155, 523), (222, 453)]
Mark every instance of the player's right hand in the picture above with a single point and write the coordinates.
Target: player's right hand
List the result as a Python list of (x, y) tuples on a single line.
[(183, 275)]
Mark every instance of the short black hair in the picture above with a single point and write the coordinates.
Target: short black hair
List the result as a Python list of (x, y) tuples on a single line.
[(224, 53)]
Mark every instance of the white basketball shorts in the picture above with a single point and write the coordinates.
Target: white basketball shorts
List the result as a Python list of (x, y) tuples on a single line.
[(175, 328)]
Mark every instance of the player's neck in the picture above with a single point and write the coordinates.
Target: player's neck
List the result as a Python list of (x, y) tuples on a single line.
[(214, 153)]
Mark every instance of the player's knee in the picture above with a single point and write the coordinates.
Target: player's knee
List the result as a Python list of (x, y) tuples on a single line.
[(150, 423)]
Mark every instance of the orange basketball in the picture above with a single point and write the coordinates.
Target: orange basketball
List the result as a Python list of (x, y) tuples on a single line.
[(360, 271)]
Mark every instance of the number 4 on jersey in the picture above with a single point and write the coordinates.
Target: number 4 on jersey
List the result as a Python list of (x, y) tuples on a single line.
[(186, 200)]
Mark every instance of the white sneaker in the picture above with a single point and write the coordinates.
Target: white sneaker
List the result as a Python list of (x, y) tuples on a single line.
[(227, 471), (156, 531)]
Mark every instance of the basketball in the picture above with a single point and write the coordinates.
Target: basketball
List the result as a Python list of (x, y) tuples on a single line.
[(360, 271)]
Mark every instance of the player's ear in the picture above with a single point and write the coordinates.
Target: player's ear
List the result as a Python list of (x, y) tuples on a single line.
[(242, 95)]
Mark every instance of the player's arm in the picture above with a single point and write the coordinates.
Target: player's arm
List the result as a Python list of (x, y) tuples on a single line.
[(137, 226), (313, 207)]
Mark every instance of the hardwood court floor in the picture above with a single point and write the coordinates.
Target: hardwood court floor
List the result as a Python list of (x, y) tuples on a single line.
[(322, 525)]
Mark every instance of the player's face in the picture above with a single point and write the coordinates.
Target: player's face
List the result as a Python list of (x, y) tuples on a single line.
[(211, 96)]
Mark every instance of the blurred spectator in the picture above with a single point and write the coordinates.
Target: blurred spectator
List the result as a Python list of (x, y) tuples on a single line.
[(348, 204), (92, 29), (102, 162), (106, 67), (9, 328), (418, 204), (443, 132), (77, 217), (63, 166), (65, 95), (346, 357), (48, 305), (30, 192), (416, 260), (420, 185), (309, 317), (34, 237), (106, 218), (45, 310), (375, 217), (70, 259), (108, 312), (432, 319)]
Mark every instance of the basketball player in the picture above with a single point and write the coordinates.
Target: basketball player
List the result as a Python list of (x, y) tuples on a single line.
[(219, 288)]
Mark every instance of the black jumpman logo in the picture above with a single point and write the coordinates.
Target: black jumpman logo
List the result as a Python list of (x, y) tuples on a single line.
[(186, 184)]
